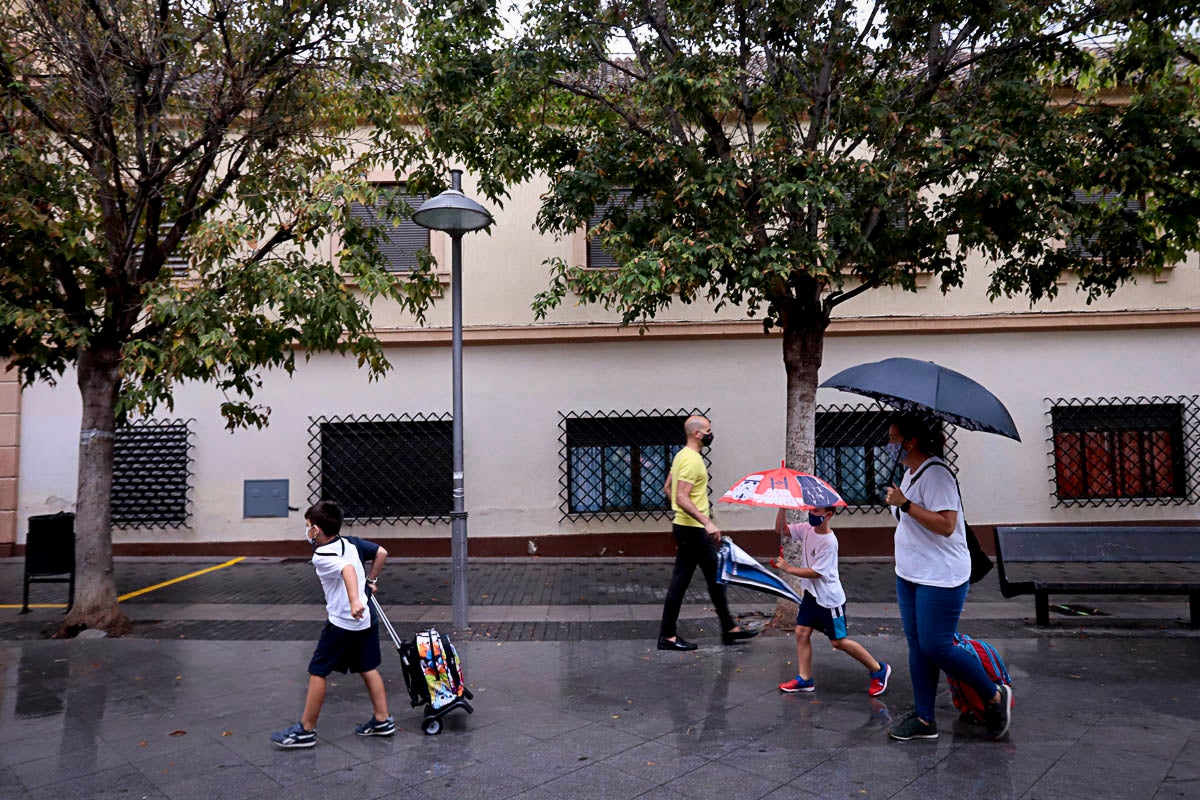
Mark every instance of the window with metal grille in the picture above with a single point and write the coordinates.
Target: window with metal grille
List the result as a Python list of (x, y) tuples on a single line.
[(383, 468), (152, 474), (1130, 451), (1090, 247), (895, 214), (597, 256), (401, 240), (615, 464), (851, 453), (177, 261)]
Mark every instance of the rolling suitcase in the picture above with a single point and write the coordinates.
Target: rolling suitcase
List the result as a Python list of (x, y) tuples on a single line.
[(432, 674)]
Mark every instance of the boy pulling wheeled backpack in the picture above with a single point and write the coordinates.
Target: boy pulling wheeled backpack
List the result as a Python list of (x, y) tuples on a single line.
[(432, 674)]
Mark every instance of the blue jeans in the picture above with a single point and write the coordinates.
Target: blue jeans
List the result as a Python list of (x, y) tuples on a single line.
[(930, 615)]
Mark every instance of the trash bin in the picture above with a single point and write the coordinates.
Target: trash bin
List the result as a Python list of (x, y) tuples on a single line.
[(50, 553)]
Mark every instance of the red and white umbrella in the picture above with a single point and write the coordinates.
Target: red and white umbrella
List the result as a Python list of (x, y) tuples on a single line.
[(783, 488)]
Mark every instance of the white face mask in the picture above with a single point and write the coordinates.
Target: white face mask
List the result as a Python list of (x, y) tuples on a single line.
[(310, 534)]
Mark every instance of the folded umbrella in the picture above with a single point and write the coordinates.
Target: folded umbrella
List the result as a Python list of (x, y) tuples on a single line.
[(907, 384), (737, 567)]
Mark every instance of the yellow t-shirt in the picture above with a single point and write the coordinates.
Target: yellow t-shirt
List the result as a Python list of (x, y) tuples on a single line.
[(689, 466)]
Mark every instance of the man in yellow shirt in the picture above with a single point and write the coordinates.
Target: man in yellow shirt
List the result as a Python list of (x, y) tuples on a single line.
[(696, 539)]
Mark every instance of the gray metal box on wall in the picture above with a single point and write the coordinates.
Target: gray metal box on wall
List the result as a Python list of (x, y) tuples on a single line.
[(265, 498)]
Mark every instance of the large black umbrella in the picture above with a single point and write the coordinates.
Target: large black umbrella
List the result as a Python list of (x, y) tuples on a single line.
[(907, 384)]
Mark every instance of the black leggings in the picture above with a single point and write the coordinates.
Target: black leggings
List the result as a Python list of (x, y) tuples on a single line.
[(693, 548)]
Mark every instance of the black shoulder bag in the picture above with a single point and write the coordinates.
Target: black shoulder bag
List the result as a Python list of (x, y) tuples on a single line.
[(981, 562)]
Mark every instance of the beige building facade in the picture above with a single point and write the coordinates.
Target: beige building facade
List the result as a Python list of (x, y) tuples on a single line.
[(567, 420)]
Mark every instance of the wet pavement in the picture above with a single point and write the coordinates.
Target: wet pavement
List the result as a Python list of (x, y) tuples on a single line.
[(572, 698)]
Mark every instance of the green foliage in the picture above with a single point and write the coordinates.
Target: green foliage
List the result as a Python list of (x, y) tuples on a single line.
[(225, 136), (787, 155)]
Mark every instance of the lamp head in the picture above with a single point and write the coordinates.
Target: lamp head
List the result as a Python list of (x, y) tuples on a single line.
[(452, 211)]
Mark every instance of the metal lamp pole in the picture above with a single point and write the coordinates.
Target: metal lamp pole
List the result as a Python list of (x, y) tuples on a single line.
[(454, 213)]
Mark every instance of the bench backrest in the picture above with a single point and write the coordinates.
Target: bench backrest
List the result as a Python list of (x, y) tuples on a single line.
[(1083, 543)]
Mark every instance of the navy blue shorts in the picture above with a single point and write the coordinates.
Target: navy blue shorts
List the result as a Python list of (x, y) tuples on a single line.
[(340, 650), (829, 621)]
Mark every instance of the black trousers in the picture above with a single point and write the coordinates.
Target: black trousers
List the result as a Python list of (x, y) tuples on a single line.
[(693, 548)]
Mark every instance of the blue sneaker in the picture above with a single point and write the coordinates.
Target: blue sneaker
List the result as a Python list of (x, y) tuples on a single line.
[(879, 680), (374, 727), (294, 737), (798, 684)]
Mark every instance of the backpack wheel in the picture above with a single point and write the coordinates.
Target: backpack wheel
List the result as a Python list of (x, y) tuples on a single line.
[(432, 727)]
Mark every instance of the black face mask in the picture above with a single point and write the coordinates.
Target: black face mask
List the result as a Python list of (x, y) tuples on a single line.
[(706, 439)]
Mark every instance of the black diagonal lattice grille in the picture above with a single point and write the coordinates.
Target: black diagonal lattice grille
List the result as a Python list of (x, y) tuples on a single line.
[(152, 474), (383, 468), (1125, 451), (614, 464), (851, 453)]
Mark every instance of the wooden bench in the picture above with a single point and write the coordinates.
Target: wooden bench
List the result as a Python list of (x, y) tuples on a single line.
[(1150, 553)]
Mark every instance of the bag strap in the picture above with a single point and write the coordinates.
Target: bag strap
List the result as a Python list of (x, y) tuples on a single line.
[(957, 488)]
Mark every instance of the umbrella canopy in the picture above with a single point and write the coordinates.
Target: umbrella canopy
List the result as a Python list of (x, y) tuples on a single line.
[(736, 566), (783, 488), (907, 384)]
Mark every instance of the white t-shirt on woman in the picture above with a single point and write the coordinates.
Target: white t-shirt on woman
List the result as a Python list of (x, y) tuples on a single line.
[(923, 556)]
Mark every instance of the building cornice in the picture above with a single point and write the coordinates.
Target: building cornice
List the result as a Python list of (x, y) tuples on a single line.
[(581, 332)]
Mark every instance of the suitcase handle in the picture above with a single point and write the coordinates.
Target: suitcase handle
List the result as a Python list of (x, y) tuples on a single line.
[(386, 622)]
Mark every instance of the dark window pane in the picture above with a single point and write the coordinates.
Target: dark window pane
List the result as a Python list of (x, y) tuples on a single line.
[(618, 478), (1121, 450), (387, 469), (620, 463), (587, 479), (851, 455), (656, 463)]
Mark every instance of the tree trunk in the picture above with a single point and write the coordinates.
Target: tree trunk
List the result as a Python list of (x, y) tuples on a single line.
[(803, 348), (96, 605)]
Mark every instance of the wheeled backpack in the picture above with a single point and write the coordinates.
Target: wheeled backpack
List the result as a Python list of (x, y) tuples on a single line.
[(965, 698), (432, 673)]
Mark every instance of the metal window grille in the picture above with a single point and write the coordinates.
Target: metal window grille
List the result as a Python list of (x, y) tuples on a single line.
[(1124, 451), (1089, 247), (152, 477), (402, 240), (851, 453), (382, 469), (614, 464), (597, 256)]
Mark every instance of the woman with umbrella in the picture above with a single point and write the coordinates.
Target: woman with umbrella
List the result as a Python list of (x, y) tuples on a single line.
[(932, 570)]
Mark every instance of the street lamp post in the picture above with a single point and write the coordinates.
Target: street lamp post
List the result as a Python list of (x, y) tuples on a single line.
[(454, 213)]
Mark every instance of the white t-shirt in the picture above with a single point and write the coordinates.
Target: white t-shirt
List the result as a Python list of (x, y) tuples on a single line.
[(329, 560), (923, 556), (820, 554)]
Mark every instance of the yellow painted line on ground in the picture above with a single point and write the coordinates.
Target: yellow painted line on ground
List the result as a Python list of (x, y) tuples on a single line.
[(123, 597), (189, 576)]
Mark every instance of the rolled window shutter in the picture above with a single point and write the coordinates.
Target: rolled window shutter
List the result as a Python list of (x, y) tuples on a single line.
[(400, 243)]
